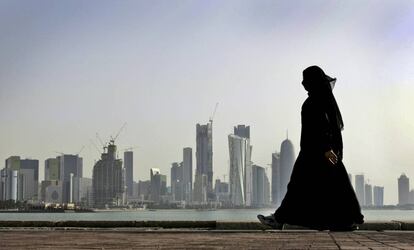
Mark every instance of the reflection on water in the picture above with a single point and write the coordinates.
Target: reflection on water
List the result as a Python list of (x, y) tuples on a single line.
[(191, 215)]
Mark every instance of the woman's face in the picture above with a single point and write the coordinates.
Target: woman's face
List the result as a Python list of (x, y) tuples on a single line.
[(320, 85)]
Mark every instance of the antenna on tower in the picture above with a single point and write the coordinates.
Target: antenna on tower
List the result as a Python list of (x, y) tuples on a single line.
[(287, 134)]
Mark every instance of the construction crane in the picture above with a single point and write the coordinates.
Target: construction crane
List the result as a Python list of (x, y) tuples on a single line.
[(100, 140), (94, 144), (104, 147), (119, 132), (130, 148), (214, 113), (80, 151)]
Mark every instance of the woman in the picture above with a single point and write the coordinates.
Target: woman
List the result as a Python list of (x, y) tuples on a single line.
[(320, 194)]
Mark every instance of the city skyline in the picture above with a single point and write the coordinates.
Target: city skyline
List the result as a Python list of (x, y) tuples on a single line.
[(70, 69), (55, 169)]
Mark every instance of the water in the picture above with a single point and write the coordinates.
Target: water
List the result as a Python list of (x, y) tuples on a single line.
[(188, 214)]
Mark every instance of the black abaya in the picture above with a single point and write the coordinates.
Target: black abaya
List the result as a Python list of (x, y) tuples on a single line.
[(319, 195)]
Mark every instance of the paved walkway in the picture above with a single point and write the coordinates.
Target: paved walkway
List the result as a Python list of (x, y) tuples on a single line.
[(187, 239)]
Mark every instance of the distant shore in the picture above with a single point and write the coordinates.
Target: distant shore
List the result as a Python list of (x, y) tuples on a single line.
[(94, 210)]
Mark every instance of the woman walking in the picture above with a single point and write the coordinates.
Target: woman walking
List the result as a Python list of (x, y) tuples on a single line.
[(320, 195)]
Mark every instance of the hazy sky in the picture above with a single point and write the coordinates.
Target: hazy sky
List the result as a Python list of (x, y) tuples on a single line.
[(69, 69)]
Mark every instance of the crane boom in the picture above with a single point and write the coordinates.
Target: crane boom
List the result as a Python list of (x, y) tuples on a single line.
[(214, 112), (119, 132), (80, 151), (100, 140), (94, 144), (131, 148)]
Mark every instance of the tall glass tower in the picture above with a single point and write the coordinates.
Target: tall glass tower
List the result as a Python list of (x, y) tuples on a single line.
[(287, 159), (240, 175), (204, 166), (129, 171), (403, 190)]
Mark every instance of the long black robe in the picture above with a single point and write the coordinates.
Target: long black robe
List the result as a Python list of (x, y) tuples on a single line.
[(319, 195)]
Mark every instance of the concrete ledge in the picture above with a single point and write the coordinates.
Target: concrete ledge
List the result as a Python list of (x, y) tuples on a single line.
[(407, 225), (227, 225), (111, 224), (381, 225), (209, 225), (177, 224)]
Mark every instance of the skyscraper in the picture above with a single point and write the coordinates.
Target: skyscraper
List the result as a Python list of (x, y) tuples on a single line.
[(28, 179), (51, 184), (13, 163), (69, 164), (82, 191), (52, 169), (14, 185), (276, 199), (287, 159), (242, 131), (403, 190), (187, 180), (360, 188), (2, 183), (200, 188), (20, 179), (368, 195), (10, 178), (221, 187), (267, 192), (411, 197), (378, 196), (108, 179), (240, 175), (204, 157), (144, 190), (129, 171), (9, 184), (158, 184), (260, 190), (176, 181)]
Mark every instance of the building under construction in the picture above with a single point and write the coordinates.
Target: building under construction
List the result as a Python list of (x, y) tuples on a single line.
[(108, 179)]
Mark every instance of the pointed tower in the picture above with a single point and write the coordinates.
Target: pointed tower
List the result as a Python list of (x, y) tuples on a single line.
[(287, 159)]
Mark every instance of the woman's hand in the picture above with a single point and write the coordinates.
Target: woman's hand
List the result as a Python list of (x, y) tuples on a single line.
[(332, 157)]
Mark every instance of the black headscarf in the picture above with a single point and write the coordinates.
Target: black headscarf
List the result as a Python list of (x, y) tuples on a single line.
[(318, 85)]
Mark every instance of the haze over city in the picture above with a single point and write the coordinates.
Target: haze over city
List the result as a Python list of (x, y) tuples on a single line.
[(71, 69)]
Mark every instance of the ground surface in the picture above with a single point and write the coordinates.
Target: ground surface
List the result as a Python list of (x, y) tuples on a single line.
[(187, 239)]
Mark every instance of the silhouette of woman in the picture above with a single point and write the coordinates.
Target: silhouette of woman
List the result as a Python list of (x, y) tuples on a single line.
[(320, 195)]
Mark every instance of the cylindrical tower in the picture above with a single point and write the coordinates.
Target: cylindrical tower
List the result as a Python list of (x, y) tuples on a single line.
[(287, 159), (14, 182)]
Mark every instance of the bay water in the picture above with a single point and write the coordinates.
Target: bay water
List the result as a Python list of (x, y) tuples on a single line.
[(187, 215)]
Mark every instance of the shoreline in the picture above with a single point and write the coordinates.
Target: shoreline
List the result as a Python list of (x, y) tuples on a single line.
[(99, 210), (193, 225)]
